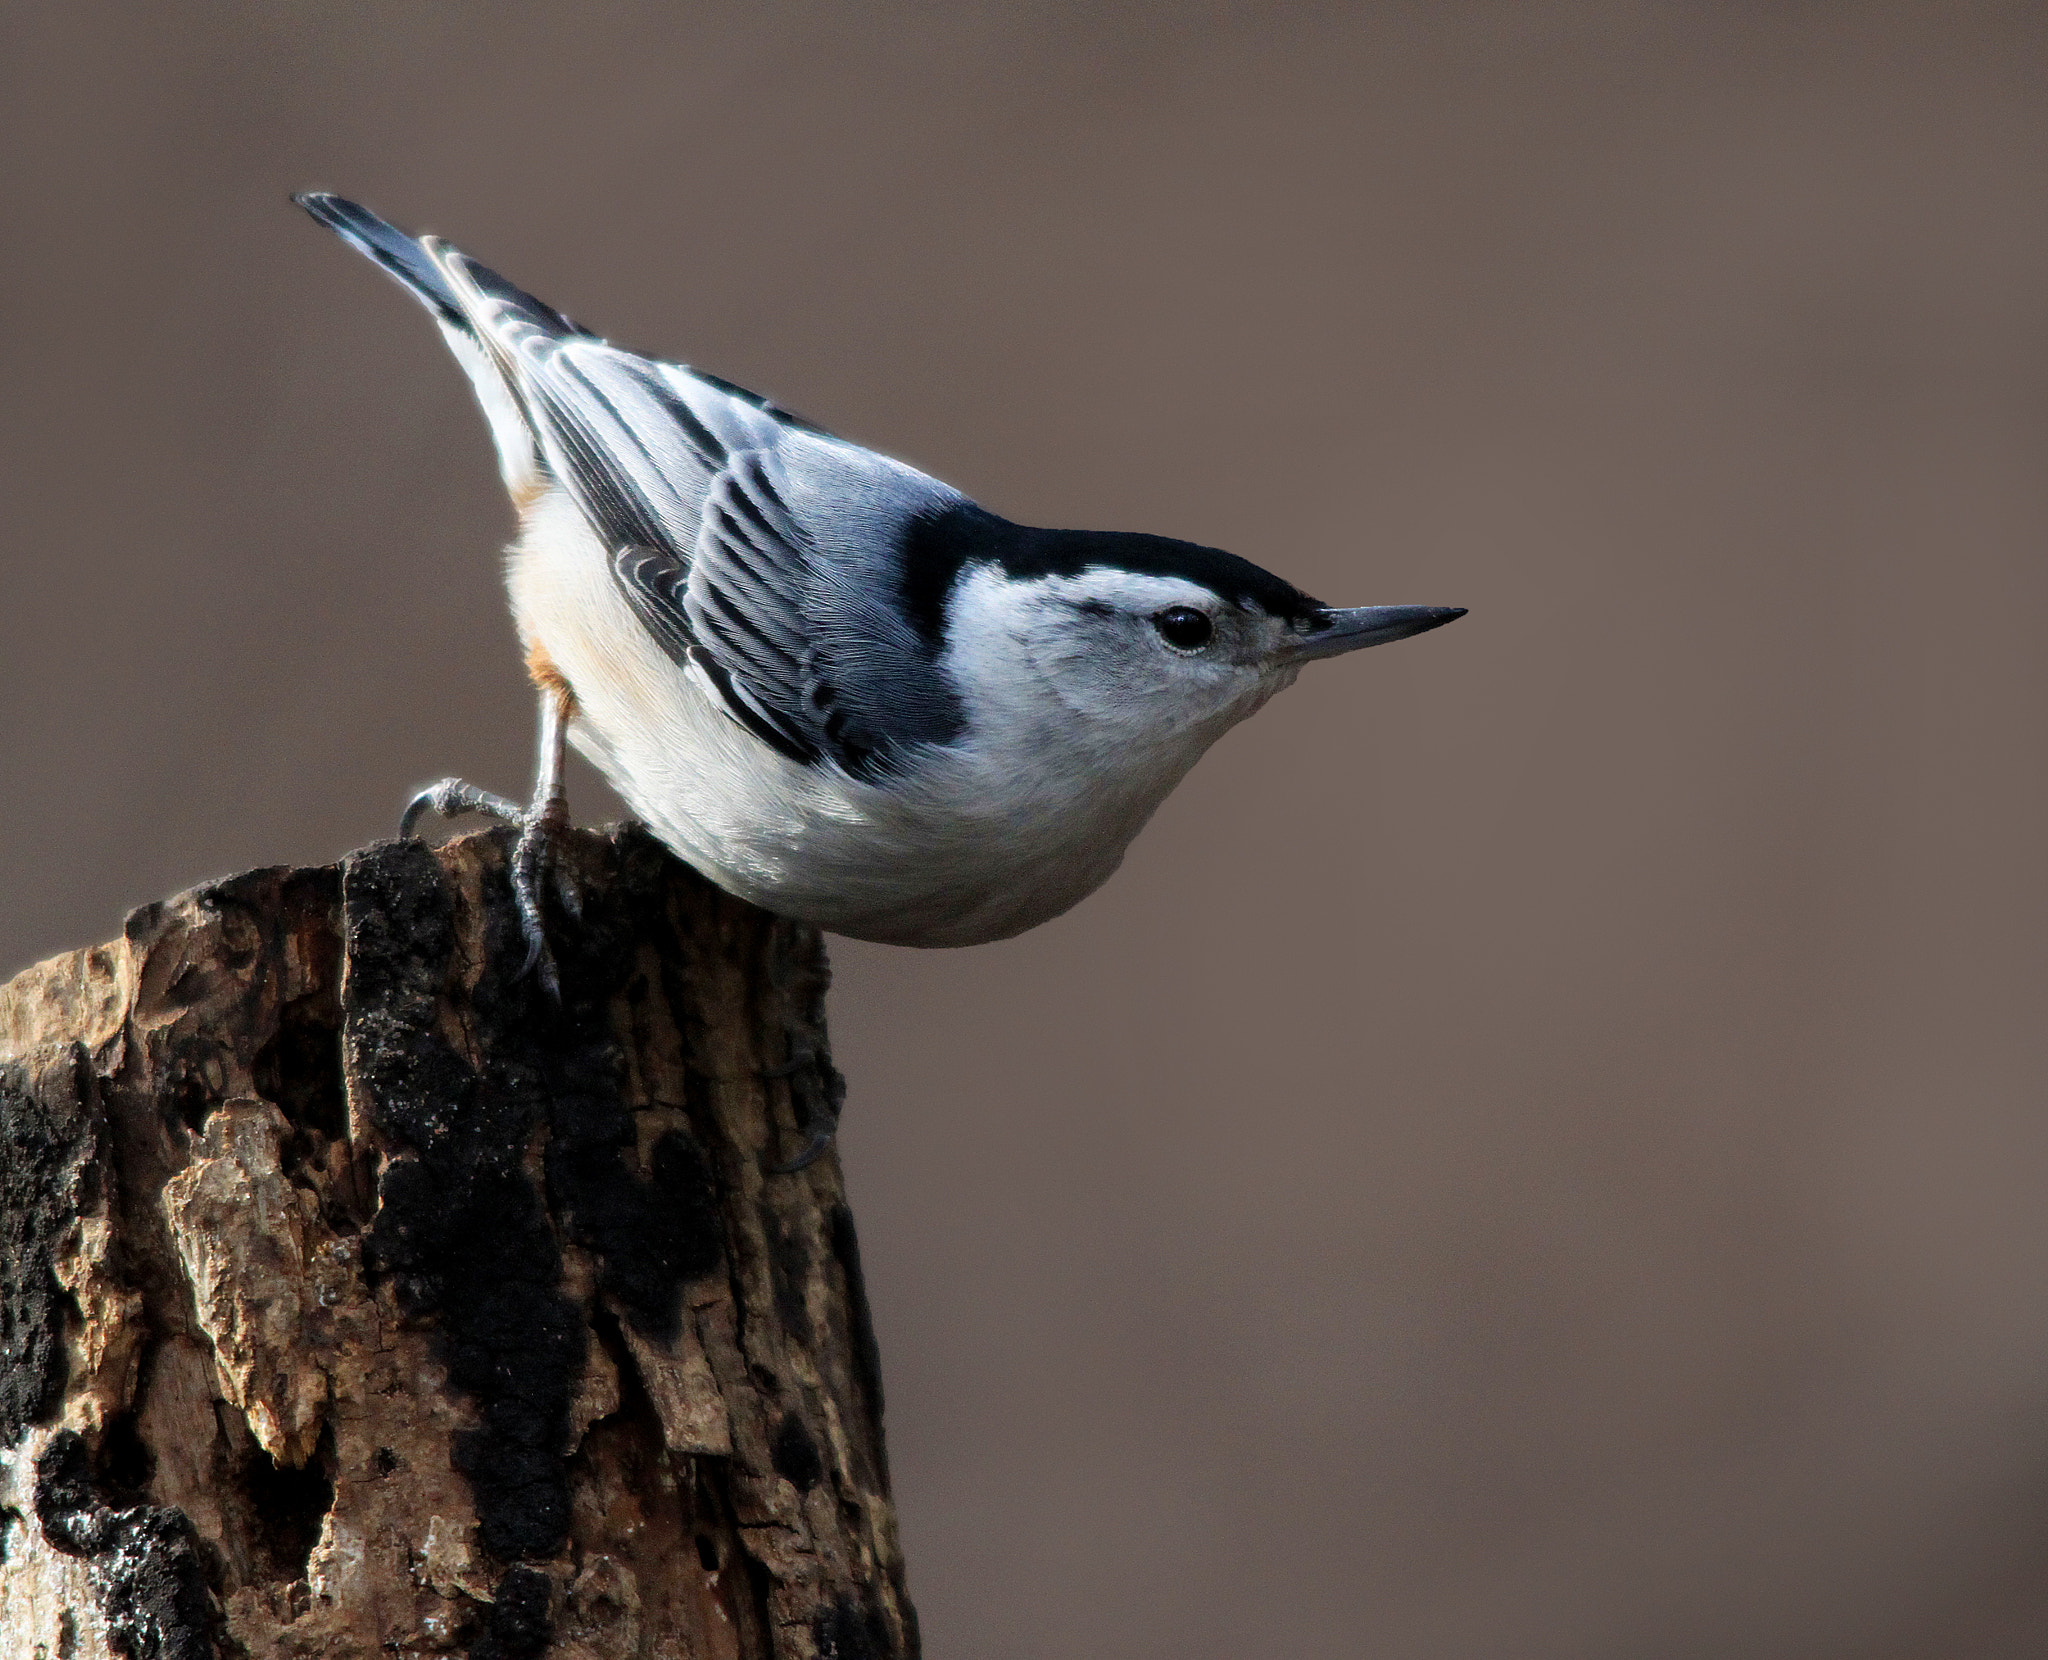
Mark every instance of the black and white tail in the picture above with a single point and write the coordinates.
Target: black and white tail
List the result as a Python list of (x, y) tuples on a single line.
[(473, 306), (636, 443)]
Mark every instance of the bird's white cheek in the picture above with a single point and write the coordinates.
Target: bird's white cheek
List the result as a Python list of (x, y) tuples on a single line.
[(1130, 707)]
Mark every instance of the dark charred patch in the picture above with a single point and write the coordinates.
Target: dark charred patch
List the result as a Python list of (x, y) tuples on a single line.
[(795, 1455), (459, 1226), (46, 1145), (67, 1508), (790, 1266), (852, 1631), (300, 1068), (123, 1465), (867, 1353), (651, 1234), (518, 1625), (290, 1506), (146, 1566)]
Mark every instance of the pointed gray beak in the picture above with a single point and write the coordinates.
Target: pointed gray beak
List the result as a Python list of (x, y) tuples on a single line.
[(1334, 631)]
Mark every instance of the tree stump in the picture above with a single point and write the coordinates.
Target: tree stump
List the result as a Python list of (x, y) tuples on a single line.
[(357, 1301)]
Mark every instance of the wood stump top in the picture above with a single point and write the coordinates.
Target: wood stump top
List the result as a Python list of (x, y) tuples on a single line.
[(356, 1299)]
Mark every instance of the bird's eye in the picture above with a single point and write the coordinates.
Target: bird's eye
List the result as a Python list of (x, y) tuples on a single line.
[(1183, 627)]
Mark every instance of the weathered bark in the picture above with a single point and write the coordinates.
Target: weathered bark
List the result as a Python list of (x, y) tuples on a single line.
[(355, 1300)]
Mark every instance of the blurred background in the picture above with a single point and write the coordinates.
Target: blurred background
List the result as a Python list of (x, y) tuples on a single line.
[(1541, 1152)]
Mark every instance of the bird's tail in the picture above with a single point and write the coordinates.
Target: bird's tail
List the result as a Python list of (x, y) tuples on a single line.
[(481, 316), (443, 279), (399, 254)]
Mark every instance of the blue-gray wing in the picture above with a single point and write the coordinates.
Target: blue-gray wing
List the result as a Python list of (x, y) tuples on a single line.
[(788, 604), (636, 442)]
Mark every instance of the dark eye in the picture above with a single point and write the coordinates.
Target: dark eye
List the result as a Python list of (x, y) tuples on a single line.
[(1183, 627)]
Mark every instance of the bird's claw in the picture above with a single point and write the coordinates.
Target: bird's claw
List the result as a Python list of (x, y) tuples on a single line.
[(534, 867), (799, 1058), (814, 1149), (568, 895), (821, 1110), (452, 797)]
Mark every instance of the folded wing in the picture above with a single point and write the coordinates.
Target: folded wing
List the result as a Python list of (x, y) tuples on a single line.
[(754, 547)]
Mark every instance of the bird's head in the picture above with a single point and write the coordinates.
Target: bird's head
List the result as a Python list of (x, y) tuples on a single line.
[(1131, 640)]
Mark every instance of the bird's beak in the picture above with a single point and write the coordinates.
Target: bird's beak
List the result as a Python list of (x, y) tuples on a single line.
[(1333, 631)]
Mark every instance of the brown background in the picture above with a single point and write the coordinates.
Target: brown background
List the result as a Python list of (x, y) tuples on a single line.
[(1542, 1152)]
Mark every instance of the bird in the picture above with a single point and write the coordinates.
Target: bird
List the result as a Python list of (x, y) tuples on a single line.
[(834, 685)]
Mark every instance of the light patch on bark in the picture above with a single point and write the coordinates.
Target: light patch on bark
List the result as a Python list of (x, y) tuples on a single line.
[(248, 1240)]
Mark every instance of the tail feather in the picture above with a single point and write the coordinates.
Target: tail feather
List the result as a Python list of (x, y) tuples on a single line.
[(390, 247), (470, 302), (508, 297)]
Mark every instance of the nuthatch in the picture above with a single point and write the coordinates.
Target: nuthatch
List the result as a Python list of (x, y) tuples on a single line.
[(834, 685)]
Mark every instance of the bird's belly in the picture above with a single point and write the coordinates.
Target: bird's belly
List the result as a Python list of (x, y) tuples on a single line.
[(935, 878), (937, 865)]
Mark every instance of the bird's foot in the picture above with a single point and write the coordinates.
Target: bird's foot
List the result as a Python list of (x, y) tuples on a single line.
[(820, 1107), (452, 797), (536, 865), (534, 862)]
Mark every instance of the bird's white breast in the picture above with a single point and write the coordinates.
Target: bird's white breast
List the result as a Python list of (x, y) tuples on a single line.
[(974, 842)]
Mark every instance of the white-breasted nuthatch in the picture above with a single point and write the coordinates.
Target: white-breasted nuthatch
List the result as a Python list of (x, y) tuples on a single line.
[(834, 685)]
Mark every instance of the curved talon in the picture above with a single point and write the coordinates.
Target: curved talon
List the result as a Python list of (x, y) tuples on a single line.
[(538, 955), (450, 797), (568, 895), (798, 1060), (415, 810), (814, 1149), (531, 865), (821, 1122)]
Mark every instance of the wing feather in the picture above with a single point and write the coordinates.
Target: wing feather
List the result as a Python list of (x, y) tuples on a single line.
[(745, 609)]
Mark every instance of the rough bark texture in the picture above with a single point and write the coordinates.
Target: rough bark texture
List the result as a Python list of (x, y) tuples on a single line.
[(357, 1301)]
